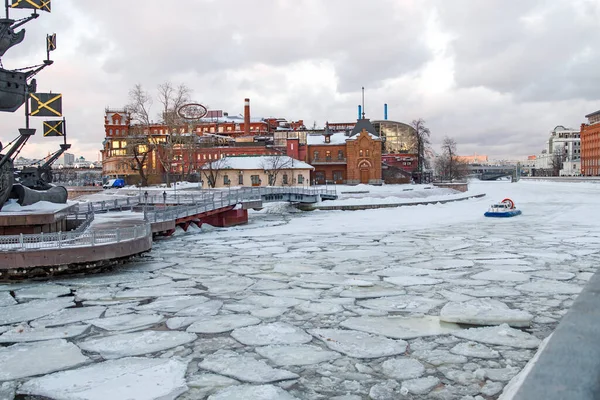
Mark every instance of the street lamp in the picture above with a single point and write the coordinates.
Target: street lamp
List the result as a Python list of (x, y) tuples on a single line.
[(145, 204)]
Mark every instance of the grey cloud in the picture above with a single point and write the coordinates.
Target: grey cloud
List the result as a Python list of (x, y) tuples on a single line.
[(534, 49), (366, 43)]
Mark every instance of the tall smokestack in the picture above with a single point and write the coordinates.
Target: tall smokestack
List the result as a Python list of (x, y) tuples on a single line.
[(385, 111), (247, 117)]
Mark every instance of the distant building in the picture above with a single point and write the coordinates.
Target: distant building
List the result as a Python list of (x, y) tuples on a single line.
[(179, 152), (562, 147), (277, 170), (351, 158), (590, 145), (68, 159), (474, 159)]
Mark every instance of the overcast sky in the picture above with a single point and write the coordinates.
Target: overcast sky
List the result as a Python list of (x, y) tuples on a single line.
[(497, 76)]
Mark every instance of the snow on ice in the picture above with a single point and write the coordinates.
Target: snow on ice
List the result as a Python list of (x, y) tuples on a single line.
[(330, 305)]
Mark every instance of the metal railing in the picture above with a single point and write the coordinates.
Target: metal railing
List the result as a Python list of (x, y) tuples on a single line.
[(216, 199), (73, 239)]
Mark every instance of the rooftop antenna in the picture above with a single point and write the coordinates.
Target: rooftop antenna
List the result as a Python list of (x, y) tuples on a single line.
[(363, 102)]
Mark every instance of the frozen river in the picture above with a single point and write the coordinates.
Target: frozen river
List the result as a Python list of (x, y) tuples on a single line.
[(400, 303)]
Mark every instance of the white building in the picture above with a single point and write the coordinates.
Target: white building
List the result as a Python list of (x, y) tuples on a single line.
[(565, 141), (68, 159), (257, 171)]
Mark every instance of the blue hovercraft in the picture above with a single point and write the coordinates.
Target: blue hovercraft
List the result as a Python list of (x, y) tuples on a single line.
[(505, 209)]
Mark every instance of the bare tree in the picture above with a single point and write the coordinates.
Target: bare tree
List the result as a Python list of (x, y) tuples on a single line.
[(423, 141), (213, 169), (138, 151), (274, 164), (557, 161), (447, 164), (139, 105), (171, 99)]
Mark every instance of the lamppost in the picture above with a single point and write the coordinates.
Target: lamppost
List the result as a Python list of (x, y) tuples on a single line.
[(145, 204)]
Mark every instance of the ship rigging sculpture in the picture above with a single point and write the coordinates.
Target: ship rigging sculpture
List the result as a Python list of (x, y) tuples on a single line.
[(18, 88)]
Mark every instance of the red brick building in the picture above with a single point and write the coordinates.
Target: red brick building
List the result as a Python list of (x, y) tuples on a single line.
[(341, 157), (590, 145), (196, 144)]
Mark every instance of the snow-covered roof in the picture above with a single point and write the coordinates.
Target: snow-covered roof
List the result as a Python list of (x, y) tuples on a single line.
[(258, 162), (336, 138), (236, 119)]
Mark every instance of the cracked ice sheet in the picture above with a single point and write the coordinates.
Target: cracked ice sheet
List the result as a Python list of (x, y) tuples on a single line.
[(26, 334), (135, 344), (32, 310), (359, 344), (38, 358), (247, 392), (274, 333), (297, 355), (502, 335), (123, 379), (401, 327), (484, 312), (68, 316), (48, 291), (6, 299), (244, 368), (127, 322)]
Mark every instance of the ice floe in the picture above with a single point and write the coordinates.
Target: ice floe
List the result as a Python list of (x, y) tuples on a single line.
[(320, 307), (123, 379), (69, 316), (502, 335), (371, 292), (439, 357), (401, 327), (210, 307), (47, 291), (420, 385), (30, 359), (222, 323), (402, 368), (135, 344), (408, 303), (472, 349), (546, 286), (244, 368), (172, 304), (297, 355), (32, 310), (412, 280), (127, 322), (273, 333), (484, 312), (248, 392), (25, 334), (497, 275), (359, 344), (6, 299), (270, 301)]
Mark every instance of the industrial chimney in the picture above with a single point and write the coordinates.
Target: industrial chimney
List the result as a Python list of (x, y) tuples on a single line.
[(247, 117)]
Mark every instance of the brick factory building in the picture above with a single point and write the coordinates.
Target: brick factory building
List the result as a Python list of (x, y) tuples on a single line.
[(590, 145), (167, 153)]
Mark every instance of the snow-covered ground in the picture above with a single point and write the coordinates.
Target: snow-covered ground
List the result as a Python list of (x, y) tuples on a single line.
[(422, 302)]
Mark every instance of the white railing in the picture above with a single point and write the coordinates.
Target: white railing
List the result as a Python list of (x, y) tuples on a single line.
[(44, 241)]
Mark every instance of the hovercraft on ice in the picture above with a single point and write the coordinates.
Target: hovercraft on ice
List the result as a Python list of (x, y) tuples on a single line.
[(506, 208)]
